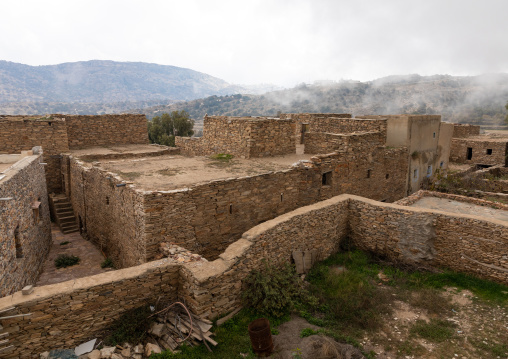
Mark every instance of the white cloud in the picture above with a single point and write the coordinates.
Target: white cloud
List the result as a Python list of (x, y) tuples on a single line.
[(283, 42)]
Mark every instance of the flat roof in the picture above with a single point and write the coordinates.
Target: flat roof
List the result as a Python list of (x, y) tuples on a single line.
[(169, 172), (117, 149), (6, 161), (484, 138), (449, 205)]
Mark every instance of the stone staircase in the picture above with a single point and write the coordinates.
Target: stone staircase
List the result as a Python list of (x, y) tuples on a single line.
[(64, 215)]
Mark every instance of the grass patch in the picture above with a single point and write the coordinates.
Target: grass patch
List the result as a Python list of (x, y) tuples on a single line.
[(131, 327), (169, 171), (64, 243), (499, 350), (224, 157), (437, 330), (65, 260), (108, 263), (130, 176)]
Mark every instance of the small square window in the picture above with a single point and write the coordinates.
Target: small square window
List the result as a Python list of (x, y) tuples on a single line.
[(489, 151), (434, 135), (327, 178), (369, 173)]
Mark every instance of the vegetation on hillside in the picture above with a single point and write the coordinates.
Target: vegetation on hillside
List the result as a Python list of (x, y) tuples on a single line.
[(163, 129)]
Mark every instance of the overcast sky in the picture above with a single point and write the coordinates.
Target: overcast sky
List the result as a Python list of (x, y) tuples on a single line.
[(265, 41)]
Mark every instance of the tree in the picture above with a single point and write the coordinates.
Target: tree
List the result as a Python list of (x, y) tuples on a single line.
[(506, 107), (163, 129)]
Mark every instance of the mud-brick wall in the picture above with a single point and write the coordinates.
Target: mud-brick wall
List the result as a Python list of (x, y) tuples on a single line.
[(25, 184), (215, 288), (319, 142), (480, 149), (112, 217), (67, 314), (207, 218), (463, 131), (102, 130), (20, 134), (462, 243)]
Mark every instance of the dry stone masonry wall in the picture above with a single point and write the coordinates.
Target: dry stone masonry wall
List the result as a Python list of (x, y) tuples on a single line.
[(65, 314), (25, 230), (463, 131), (479, 151), (244, 137)]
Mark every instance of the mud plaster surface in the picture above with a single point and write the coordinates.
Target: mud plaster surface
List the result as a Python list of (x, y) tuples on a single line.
[(448, 205), (174, 171)]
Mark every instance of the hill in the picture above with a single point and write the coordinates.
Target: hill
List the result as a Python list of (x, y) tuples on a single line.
[(474, 99), (89, 85)]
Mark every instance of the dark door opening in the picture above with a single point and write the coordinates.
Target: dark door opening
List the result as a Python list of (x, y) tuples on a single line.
[(305, 128), (469, 153)]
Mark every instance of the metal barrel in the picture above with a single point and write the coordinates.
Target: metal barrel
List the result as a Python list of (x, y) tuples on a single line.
[(261, 337)]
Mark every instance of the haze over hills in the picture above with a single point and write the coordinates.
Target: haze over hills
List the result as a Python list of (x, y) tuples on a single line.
[(473, 99), (101, 86)]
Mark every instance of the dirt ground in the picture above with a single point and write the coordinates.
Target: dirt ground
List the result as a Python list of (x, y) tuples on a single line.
[(448, 205), (173, 172), (479, 326), (289, 345)]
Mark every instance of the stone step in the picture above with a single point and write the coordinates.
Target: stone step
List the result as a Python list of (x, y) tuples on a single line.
[(68, 226), (70, 230), (67, 218)]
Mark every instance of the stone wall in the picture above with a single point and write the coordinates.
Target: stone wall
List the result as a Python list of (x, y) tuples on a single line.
[(59, 133), (25, 233), (415, 197), (67, 314), (312, 119), (320, 142), (112, 216), (103, 130), (207, 218), (22, 133), (463, 131), (482, 151), (244, 137), (463, 243)]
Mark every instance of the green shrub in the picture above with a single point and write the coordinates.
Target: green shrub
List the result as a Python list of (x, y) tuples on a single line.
[(226, 157), (274, 291), (107, 263), (65, 260), (437, 330)]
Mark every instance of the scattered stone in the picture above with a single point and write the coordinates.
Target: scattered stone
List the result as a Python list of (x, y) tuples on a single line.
[(106, 352), (44, 355), (179, 254), (152, 348), (94, 354), (62, 354), (138, 349), (27, 290)]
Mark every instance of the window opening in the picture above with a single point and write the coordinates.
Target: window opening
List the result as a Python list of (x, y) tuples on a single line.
[(327, 178), (489, 151), (281, 196), (387, 176), (368, 173), (230, 209), (107, 200), (433, 135), (17, 240), (415, 174), (441, 164), (429, 171), (469, 153)]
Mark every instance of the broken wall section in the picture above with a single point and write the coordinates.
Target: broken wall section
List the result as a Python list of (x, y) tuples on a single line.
[(319, 142), (462, 131), (25, 229), (22, 133)]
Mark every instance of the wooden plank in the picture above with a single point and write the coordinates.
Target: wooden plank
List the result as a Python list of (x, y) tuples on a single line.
[(16, 316), (7, 309), (4, 335)]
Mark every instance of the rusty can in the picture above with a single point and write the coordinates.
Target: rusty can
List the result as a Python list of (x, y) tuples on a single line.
[(261, 337)]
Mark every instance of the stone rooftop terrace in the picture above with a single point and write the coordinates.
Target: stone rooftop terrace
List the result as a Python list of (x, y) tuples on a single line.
[(169, 172)]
